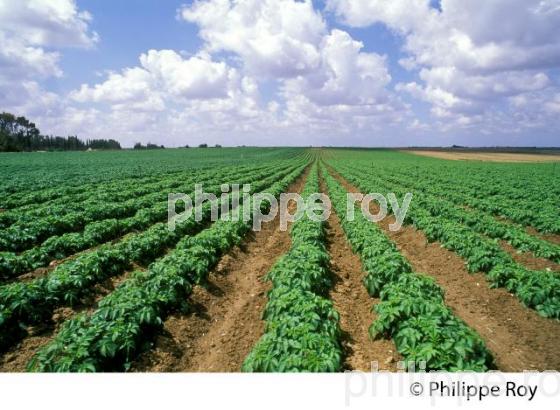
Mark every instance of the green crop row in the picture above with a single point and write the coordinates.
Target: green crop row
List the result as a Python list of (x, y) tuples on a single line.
[(23, 303), (527, 194), (30, 198), (412, 309), (441, 203), (21, 236), (155, 210), (537, 208), (485, 224), (109, 338), (539, 290), (302, 327), (112, 192), (36, 178), (109, 195)]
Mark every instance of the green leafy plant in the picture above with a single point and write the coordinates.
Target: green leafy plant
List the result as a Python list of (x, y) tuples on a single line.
[(302, 327)]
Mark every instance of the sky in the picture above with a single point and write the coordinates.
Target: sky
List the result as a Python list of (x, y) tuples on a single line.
[(286, 72)]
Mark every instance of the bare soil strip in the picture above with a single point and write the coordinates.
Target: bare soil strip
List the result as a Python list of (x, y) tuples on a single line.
[(16, 359), (354, 304), (226, 320), (518, 337), (551, 237), (529, 260), (488, 156)]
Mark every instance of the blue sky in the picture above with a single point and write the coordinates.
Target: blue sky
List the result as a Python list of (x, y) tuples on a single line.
[(125, 33), (286, 72)]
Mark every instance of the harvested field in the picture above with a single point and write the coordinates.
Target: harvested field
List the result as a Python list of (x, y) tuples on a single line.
[(488, 156)]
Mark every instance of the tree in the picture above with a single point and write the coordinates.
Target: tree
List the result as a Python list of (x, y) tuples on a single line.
[(20, 134)]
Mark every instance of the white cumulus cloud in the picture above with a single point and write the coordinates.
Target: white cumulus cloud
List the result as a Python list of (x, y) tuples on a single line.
[(470, 56), (31, 34), (276, 38), (164, 74)]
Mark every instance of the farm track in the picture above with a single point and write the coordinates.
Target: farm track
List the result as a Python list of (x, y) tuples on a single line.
[(226, 319), (488, 156), (517, 336), (17, 357), (353, 303)]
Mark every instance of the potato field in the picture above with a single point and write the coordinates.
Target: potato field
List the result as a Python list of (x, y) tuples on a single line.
[(93, 280)]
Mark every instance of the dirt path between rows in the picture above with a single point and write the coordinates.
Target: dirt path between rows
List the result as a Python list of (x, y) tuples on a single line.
[(529, 260), (517, 336), (353, 303), (226, 320), (551, 237)]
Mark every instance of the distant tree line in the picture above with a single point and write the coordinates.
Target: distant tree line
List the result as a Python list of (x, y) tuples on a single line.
[(206, 146), (20, 134), (148, 146)]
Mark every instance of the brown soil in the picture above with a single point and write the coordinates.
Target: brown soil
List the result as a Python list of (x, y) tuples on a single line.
[(226, 320), (17, 358), (517, 336), (488, 156), (551, 237), (41, 272), (353, 303), (529, 260)]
